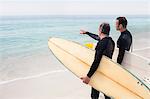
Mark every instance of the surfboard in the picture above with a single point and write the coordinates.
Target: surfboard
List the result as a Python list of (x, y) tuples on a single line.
[(110, 78), (137, 65)]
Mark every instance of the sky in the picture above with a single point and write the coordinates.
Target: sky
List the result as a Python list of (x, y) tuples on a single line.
[(74, 7)]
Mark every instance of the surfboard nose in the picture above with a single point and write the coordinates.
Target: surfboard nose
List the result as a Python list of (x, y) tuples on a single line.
[(51, 38)]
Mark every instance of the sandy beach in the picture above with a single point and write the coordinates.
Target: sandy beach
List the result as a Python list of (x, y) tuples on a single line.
[(60, 85)]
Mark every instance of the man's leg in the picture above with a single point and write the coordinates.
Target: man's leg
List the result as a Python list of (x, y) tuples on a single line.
[(107, 97), (94, 94)]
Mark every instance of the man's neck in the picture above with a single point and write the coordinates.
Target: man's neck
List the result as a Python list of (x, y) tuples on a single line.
[(122, 30), (103, 36)]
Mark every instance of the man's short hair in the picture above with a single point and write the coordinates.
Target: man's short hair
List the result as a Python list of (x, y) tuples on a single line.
[(105, 28), (123, 21)]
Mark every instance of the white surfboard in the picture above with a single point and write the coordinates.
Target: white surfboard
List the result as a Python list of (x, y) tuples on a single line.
[(109, 78), (137, 65)]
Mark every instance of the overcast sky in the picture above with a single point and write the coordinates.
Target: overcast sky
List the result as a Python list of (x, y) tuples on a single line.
[(74, 7)]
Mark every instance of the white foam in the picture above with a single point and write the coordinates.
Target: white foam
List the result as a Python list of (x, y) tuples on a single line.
[(141, 49), (35, 76)]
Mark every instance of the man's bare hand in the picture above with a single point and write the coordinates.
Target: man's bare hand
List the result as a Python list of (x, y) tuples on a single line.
[(85, 80), (83, 32)]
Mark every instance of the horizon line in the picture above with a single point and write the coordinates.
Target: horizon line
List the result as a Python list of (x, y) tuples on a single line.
[(80, 15)]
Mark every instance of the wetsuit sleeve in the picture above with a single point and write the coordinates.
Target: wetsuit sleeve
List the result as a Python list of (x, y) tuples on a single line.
[(94, 36), (120, 55), (97, 58), (121, 46)]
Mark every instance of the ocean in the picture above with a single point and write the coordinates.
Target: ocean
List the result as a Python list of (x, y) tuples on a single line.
[(23, 40)]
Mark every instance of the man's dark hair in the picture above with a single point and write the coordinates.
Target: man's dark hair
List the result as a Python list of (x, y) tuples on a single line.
[(105, 28), (123, 21)]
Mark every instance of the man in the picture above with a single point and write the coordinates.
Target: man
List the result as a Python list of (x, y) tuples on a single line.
[(105, 46), (125, 40)]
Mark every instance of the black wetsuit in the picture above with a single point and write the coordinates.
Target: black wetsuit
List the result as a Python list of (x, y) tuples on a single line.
[(123, 43), (103, 47)]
